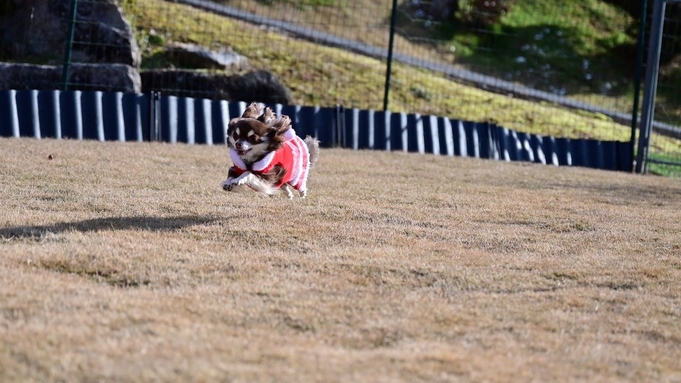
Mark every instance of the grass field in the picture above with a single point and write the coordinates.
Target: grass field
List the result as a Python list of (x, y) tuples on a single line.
[(126, 262)]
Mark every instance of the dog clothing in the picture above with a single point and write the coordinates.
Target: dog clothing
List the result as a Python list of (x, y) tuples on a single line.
[(292, 156)]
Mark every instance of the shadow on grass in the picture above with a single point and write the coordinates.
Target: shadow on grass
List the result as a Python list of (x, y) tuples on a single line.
[(103, 224)]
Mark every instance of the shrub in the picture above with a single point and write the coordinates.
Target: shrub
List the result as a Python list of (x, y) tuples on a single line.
[(483, 13)]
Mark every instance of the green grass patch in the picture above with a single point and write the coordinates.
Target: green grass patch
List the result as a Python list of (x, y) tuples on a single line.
[(670, 168), (562, 47)]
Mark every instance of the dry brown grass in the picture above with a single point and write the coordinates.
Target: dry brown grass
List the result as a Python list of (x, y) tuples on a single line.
[(126, 262)]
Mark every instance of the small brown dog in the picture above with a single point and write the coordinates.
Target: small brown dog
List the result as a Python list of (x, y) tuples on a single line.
[(266, 153)]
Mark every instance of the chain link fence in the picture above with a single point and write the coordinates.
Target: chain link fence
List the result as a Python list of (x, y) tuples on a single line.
[(563, 68)]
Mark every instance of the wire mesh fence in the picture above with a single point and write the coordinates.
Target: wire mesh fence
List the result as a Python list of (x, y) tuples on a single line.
[(560, 68), (664, 155)]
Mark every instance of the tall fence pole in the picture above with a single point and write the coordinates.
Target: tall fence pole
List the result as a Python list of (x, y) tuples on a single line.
[(638, 74), (652, 71), (68, 45), (391, 42)]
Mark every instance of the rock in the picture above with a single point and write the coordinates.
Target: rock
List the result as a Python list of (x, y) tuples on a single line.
[(440, 10), (259, 86), (443, 9), (198, 57), (37, 29), (106, 57), (103, 77)]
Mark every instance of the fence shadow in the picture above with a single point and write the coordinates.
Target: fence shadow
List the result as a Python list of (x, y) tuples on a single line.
[(153, 224)]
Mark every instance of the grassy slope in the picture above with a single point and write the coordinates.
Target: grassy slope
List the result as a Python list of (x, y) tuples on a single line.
[(325, 76), (126, 262), (564, 47)]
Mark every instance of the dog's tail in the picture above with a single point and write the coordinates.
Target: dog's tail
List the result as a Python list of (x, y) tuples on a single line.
[(312, 147)]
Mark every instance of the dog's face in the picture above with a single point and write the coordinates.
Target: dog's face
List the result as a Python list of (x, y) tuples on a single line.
[(250, 138), (256, 133)]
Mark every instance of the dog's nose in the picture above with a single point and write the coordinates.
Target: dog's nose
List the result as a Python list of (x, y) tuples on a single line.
[(239, 144)]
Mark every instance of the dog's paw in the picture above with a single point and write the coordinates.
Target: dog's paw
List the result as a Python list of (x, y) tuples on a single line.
[(227, 185)]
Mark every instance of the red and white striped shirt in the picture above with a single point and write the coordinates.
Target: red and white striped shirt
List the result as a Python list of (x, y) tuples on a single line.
[(292, 156)]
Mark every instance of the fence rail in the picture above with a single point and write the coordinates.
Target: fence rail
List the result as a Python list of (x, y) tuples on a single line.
[(115, 116)]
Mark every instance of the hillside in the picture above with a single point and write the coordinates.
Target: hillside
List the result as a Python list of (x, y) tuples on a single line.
[(319, 75), (325, 76)]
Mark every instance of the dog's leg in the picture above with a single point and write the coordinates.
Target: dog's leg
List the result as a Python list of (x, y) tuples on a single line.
[(256, 183), (232, 175), (289, 190), (303, 189), (229, 183), (242, 179)]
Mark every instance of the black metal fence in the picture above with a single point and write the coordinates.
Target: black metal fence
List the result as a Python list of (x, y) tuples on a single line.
[(646, 158), (568, 69)]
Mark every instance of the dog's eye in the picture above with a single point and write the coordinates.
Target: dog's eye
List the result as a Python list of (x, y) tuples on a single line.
[(253, 139)]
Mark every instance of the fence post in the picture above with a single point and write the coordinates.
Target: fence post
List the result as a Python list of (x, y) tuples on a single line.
[(638, 73), (652, 70), (391, 42), (68, 45)]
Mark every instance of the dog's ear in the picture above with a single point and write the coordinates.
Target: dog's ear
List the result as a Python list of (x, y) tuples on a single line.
[(281, 125), (267, 117), (254, 111), (276, 135), (232, 123)]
